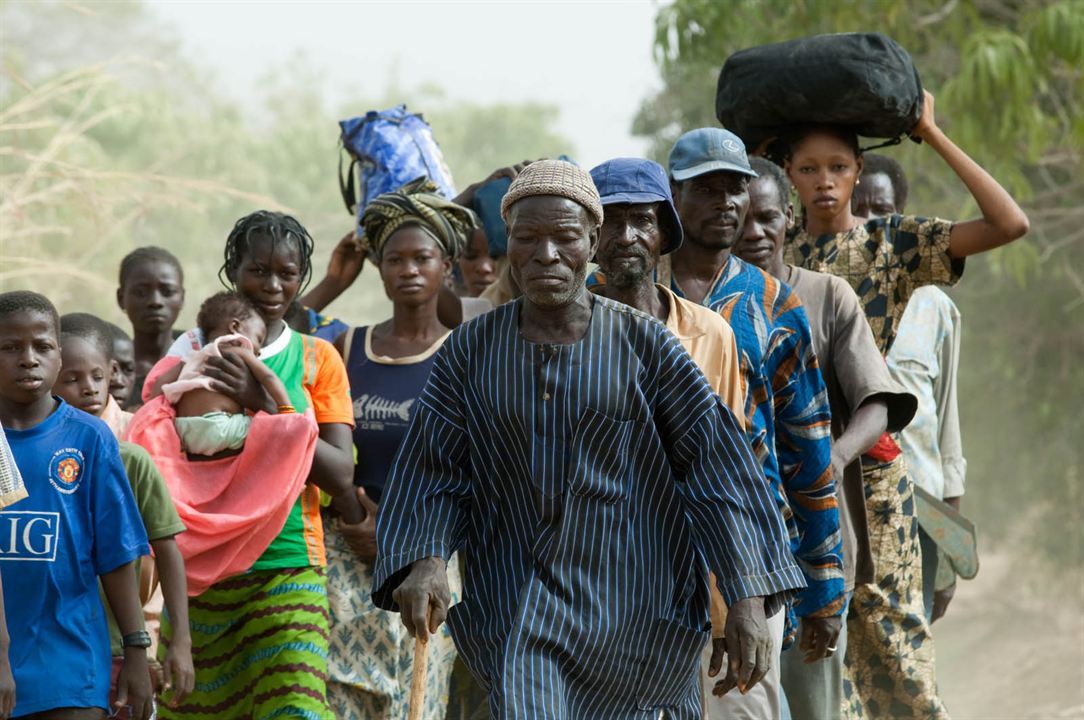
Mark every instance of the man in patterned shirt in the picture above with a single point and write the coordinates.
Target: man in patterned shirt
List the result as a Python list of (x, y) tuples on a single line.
[(576, 454), (787, 407)]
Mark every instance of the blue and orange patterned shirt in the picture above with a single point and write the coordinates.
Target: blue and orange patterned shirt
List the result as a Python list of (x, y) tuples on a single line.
[(788, 419)]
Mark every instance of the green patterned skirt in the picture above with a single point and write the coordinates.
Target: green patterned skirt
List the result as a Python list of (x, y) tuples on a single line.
[(259, 645)]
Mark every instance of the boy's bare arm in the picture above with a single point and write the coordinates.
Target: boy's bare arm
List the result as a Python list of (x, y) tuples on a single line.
[(134, 682), (179, 672), (7, 680), (265, 376)]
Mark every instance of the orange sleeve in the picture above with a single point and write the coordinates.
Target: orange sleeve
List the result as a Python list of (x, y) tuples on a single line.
[(718, 609), (329, 387), (732, 391)]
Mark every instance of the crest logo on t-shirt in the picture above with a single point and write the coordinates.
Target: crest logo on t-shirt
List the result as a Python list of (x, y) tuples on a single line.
[(66, 470)]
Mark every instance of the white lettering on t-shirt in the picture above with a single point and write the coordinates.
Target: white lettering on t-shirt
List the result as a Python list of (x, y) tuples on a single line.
[(29, 535)]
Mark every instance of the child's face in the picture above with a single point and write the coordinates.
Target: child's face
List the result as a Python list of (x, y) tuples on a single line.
[(84, 376), (123, 375), (252, 327), (152, 297), (29, 356), (269, 274)]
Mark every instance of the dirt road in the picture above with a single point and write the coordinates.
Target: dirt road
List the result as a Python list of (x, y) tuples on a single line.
[(1004, 655)]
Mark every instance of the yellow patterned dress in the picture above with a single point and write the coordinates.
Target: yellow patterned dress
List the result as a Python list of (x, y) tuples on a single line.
[(890, 654), (371, 656)]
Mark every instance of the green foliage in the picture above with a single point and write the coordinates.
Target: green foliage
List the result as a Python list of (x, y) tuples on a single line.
[(1009, 82), (99, 155)]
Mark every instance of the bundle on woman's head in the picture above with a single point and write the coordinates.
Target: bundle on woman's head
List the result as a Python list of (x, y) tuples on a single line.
[(417, 203)]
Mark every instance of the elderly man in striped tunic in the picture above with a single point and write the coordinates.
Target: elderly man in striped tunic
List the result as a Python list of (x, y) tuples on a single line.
[(574, 452)]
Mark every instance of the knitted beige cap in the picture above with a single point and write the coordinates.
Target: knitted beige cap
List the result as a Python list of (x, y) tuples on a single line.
[(554, 177)]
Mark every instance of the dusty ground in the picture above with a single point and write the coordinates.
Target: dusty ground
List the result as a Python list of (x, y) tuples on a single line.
[(1003, 653)]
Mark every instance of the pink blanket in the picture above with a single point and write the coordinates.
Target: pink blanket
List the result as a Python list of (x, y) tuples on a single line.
[(192, 377), (233, 507)]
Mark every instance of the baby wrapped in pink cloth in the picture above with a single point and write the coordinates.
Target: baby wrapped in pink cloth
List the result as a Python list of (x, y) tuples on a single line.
[(233, 503), (217, 430), (192, 377)]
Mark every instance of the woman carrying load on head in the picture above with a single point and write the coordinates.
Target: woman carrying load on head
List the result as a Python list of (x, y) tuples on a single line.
[(260, 627), (890, 650), (414, 236)]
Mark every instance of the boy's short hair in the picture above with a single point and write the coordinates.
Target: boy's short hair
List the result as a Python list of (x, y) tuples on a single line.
[(226, 305), (90, 328), (18, 301), (148, 254), (117, 332)]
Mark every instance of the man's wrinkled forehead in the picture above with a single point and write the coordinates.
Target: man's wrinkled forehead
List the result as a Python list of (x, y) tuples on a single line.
[(620, 209), (720, 180), (550, 211)]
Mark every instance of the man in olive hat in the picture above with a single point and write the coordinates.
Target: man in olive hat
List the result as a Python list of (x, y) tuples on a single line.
[(575, 453)]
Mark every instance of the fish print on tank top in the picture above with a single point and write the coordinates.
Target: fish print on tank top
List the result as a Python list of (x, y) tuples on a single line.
[(373, 412), (384, 392)]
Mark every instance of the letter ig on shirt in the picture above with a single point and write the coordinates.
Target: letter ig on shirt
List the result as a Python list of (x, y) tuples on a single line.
[(29, 535)]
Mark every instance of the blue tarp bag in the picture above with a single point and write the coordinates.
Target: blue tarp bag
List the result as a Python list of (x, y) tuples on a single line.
[(388, 149)]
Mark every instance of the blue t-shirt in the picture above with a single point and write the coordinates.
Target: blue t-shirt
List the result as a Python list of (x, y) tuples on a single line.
[(78, 522), (383, 391)]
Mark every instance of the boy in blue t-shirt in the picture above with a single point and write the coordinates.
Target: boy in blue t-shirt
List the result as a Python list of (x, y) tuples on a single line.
[(78, 524)]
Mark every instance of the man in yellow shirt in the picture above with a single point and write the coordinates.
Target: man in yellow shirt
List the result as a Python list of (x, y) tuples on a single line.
[(641, 224)]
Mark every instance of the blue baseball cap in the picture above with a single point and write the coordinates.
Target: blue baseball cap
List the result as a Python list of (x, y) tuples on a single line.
[(635, 181), (707, 150)]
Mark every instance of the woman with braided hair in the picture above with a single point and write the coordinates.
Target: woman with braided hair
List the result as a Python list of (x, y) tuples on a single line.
[(260, 632), (413, 235)]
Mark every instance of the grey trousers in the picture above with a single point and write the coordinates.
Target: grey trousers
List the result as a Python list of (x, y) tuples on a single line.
[(763, 701), (814, 692)]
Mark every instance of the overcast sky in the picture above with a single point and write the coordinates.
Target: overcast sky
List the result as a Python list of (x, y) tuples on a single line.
[(592, 60)]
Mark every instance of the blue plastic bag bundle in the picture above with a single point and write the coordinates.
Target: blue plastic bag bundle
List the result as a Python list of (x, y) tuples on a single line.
[(388, 149)]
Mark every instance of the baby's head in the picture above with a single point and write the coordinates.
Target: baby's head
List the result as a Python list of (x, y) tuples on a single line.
[(231, 313)]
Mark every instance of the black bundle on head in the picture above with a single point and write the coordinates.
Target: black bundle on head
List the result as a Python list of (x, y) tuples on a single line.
[(90, 328), (18, 301), (874, 164), (266, 224), (767, 170), (148, 254), (220, 309)]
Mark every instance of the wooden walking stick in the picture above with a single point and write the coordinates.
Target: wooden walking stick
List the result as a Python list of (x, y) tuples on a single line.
[(421, 672)]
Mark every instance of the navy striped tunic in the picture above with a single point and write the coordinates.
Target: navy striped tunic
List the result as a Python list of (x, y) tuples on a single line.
[(590, 486)]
